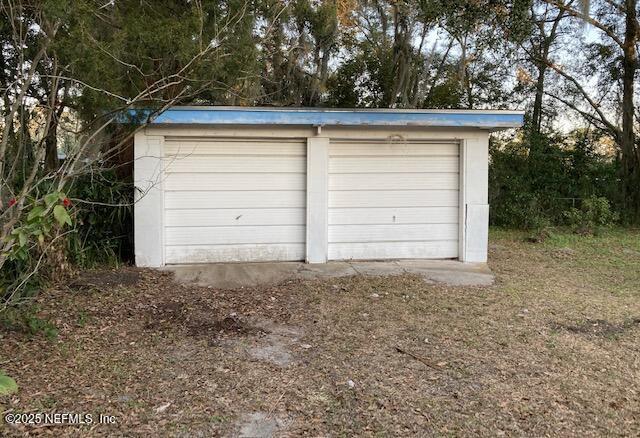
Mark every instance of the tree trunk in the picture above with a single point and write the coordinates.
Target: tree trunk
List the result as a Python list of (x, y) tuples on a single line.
[(546, 42), (51, 162), (536, 118), (630, 152)]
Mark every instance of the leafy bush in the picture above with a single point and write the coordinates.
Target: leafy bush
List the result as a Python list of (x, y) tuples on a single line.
[(104, 220), (594, 214), (7, 385), (33, 248), (534, 181), (90, 225)]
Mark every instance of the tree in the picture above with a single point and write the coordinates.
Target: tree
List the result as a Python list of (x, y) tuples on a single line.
[(547, 27), (387, 60), (430, 53), (300, 39), (613, 60), (86, 58), (480, 52)]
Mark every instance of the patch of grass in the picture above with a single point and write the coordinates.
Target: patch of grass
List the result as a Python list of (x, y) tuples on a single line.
[(27, 320), (39, 325), (609, 238), (609, 260), (497, 234), (83, 318)]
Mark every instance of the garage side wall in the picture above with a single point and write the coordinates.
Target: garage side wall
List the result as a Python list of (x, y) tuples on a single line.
[(148, 210), (473, 172), (474, 198)]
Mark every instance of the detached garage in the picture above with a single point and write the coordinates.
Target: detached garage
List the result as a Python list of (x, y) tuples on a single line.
[(228, 184)]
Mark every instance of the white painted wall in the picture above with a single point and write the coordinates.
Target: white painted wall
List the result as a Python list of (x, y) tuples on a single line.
[(474, 164), (205, 171)]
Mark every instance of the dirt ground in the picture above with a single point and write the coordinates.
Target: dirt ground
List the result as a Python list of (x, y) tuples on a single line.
[(552, 349)]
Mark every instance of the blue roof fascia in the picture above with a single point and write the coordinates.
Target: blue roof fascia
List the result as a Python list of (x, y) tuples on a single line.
[(326, 117)]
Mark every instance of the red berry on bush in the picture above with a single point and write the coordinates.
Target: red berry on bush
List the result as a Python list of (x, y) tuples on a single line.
[(12, 202), (66, 202)]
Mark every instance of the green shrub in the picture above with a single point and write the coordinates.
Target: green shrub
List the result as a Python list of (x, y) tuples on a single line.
[(33, 249), (594, 214), (104, 220), (534, 181), (89, 225), (25, 319)]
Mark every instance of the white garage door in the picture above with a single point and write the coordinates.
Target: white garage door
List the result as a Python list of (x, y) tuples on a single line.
[(234, 200), (393, 200)]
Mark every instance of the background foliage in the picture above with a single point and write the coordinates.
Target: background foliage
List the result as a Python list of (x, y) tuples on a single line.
[(530, 191)]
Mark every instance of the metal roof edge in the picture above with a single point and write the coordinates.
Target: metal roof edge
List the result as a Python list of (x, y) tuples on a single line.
[(482, 119), (340, 110)]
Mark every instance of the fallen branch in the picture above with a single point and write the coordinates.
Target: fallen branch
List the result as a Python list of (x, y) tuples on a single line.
[(418, 358)]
